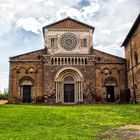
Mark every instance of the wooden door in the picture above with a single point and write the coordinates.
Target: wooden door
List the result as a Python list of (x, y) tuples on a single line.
[(68, 93), (26, 94)]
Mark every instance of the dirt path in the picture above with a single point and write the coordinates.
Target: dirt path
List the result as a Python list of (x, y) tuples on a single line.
[(3, 102), (126, 132), (131, 126)]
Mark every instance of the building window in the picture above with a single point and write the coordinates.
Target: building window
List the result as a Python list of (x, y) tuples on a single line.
[(128, 64), (98, 58), (53, 42), (85, 42), (136, 57)]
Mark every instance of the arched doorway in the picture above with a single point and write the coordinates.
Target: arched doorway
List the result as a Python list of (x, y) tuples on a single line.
[(111, 88), (26, 84), (69, 85)]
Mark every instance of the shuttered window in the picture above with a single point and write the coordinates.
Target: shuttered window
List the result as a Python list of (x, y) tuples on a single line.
[(53, 42), (85, 42)]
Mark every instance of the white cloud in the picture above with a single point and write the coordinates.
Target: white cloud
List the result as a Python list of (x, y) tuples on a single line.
[(29, 24), (90, 11), (7, 16), (113, 23), (107, 32), (49, 3), (67, 11)]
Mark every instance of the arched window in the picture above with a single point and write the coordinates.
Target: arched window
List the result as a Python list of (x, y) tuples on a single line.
[(136, 57), (128, 64)]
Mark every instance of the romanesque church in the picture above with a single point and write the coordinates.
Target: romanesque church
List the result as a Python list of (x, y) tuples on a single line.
[(68, 70)]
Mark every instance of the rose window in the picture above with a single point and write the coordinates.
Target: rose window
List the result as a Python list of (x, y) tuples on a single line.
[(68, 41)]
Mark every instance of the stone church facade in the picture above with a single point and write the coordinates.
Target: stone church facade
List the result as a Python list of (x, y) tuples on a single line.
[(132, 54), (68, 70)]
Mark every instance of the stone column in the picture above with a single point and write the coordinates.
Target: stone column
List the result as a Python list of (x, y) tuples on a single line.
[(56, 61), (59, 91), (81, 85), (56, 92), (21, 90), (76, 91), (70, 61), (60, 61), (62, 92), (19, 96), (33, 93), (80, 61), (74, 61), (79, 90)]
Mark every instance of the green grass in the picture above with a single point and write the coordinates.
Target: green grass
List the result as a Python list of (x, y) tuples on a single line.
[(41, 122)]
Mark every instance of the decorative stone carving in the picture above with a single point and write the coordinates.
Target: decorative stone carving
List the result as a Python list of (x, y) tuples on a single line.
[(69, 41)]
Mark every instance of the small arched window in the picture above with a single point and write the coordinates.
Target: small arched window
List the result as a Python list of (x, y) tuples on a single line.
[(128, 64), (136, 57)]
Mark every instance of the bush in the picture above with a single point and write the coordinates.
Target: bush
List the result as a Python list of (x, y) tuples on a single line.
[(4, 96)]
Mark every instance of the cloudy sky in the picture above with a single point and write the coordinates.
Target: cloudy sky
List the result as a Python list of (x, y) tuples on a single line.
[(21, 23)]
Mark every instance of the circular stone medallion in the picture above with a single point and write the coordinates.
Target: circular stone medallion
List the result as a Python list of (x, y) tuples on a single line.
[(68, 41)]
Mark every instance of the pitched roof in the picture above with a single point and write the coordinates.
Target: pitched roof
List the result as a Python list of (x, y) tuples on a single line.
[(132, 30), (68, 18), (13, 57)]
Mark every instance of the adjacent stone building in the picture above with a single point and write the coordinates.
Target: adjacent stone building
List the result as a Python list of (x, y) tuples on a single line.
[(132, 54), (68, 70)]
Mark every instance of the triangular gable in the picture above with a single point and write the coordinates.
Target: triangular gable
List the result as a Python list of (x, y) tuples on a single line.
[(68, 23)]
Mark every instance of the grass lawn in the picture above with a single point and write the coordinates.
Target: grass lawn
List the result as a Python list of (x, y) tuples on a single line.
[(83, 122)]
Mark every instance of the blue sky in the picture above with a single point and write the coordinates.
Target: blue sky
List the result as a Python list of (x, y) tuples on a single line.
[(21, 23)]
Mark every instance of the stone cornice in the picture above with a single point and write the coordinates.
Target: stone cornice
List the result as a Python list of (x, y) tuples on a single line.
[(25, 61), (69, 30)]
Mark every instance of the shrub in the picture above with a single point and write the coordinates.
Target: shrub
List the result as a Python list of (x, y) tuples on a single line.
[(4, 96), (39, 99)]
